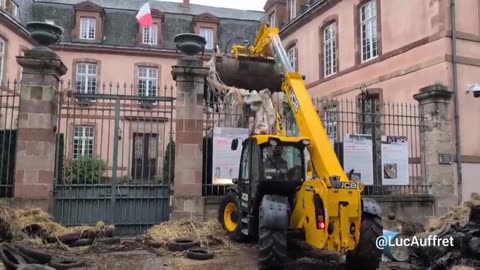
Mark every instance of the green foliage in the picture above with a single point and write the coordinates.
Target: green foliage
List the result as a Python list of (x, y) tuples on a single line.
[(169, 163), (85, 170)]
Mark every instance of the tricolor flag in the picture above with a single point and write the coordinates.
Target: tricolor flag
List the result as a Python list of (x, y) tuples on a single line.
[(144, 15)]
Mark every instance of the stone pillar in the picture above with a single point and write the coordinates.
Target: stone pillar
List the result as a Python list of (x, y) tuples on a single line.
[(189, 75), (37, 120), (437, 147)]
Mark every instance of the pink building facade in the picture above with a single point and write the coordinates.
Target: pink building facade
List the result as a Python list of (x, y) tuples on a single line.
[(394, 49)]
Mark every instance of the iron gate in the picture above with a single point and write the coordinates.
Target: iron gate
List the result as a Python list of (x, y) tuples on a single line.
[(113, 161), (9, 105)]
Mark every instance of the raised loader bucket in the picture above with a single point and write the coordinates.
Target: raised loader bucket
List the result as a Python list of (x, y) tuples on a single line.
[(248, 73)]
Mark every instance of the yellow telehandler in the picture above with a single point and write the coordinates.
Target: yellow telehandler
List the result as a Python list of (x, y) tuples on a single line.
[(272, 199)]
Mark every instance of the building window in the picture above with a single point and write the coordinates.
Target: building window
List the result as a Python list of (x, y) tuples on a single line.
[(368, 29), (292, 56), (330, 120), (293, 9), (83, 141), (15, 11), (87, 28), (147, 81), (2, 58), (86, 78), (3, 4), (207, 33), (271, 20), (330, 49), (20, 77), (150, 36)]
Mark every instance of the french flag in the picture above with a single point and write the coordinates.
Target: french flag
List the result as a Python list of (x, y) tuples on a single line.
[(144, 15)]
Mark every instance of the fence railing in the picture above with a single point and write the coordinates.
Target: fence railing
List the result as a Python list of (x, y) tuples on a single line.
[(9, 104), (88, 124), (115, 156), (366, 115)]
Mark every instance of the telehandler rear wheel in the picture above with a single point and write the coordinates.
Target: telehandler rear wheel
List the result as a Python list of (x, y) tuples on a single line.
[(229, 216), (367, 255)]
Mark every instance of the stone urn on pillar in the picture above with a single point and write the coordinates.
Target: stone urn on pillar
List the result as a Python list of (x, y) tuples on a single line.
[(44, 34), (190, 44)]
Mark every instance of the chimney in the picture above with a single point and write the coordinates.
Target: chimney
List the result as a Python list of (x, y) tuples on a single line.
[(186, 3)]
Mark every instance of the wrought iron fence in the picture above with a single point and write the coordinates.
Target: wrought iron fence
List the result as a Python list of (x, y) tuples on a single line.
[(366, 115), (115, 156), (9, 105)]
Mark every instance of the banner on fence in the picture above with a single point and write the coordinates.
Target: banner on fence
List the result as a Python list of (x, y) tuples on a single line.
[(225, 161), (358, 156), (395, 160)]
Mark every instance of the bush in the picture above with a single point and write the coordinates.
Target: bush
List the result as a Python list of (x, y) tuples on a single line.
[(85, 170), (169, 163)]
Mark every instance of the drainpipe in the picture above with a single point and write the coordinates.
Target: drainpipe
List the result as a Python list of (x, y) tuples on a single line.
[(455, 98)]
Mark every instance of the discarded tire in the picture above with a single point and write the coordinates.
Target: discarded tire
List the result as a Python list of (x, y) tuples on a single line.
[(182, 244), (64, 262), (199, 253), (33, 255), (34, 267), (10, 256)]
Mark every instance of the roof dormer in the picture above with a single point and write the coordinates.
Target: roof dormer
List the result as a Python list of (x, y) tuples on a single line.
[(88, 22), (275, 10), (152, 35), (206, 25)]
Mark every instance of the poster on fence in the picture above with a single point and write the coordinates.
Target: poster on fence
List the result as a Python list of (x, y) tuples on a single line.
[(225, 161), (395, 160), (358, 156)]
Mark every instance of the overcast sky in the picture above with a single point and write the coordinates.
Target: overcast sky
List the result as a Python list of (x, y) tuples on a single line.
[(237, 4)]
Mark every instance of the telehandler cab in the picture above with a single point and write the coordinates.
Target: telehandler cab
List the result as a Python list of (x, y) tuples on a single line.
[(272, 197)]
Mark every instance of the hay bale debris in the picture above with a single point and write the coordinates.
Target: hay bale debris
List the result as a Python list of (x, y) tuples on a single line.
[(34, 223), (208, 233), (458, 214), (462, 225)]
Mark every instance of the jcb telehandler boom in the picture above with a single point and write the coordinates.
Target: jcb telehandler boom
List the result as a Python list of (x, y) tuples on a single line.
[(272, 197)]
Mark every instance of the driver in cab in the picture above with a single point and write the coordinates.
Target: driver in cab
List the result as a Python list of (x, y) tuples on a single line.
[(274, 163)]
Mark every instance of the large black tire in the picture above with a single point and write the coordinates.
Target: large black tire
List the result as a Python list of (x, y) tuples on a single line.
[(273, 249), (367, 256), (230, 220)]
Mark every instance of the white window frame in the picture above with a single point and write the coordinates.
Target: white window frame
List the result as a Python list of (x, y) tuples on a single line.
[(83, 135), (293, 9), (208, 34), (330, 49), (3, 4), (271, 20), (148, 76), (330, 120), (22, 53), (86, 78), (15, 10), (368, 31), (292, 56), (2, 57), (88, 28), (150, 35)]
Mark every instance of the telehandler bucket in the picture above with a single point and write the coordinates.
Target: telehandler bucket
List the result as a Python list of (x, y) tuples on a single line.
[(249, 73)]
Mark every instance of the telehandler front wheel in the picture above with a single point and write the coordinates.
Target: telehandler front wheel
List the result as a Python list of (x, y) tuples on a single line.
[(273, 249), (367, 256), (229, 216)]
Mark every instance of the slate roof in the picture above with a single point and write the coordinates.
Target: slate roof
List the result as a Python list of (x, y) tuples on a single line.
[(121, 27), (170, 7)]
